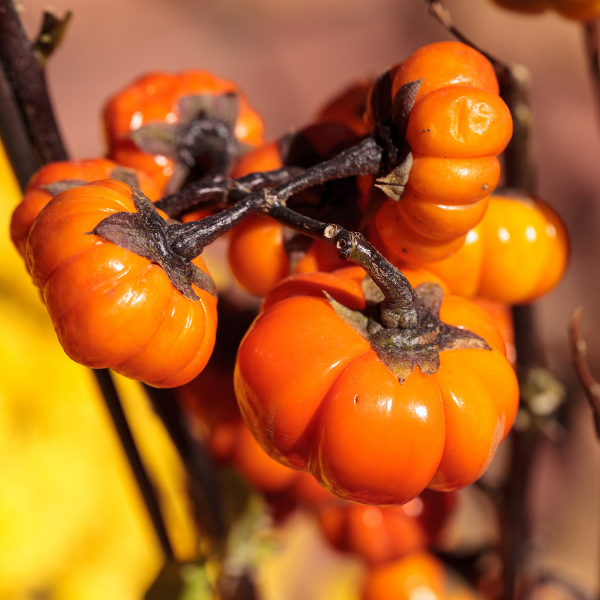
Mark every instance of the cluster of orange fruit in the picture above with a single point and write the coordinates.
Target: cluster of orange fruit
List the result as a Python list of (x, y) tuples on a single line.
[(376, 413)]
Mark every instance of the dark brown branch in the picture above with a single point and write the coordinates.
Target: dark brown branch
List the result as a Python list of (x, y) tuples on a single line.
[(400, 307), (514, 512), (190, 239), (27, 80), (145, 485), (520, 157), (366, 158), (590, 386), (34, 128), (199, 465), (442, 14), (222, 192), (15, 138), (591, 31)]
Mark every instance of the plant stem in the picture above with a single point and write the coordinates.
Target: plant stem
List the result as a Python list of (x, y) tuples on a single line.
[(26, 96), (27, 79), (400, 306), (366, 157), (591, 31), (520, 173), (113, 403), (222, 191), (578, 355), (520, 157), (204, 487), (14, 136)]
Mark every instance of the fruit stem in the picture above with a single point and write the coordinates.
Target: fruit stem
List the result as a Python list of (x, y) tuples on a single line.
[(400, 308), (364, 158), (222, 191)]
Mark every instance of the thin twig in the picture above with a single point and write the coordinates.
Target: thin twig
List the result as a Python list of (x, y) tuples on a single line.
[(514, 507), (442, 14), (555, 579), (148, 491), (221, 191), (591, 32), (519, 173), (27, 123), (14, 136), (204, 487), (590, 386), (520, 156), (27, 80)]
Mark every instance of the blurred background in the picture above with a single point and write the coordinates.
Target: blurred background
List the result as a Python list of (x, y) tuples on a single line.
[(69, 510)]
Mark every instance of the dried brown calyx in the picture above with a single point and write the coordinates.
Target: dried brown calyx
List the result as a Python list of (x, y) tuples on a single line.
[(145, 233), (202, 142), (401, 349)]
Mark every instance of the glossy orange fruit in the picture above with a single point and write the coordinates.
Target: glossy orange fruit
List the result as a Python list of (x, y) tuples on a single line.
[(517, 254), (159, 98), (418, 573), (54, 177), (111, 307), (317, 397), (457, 127), (381, 534)]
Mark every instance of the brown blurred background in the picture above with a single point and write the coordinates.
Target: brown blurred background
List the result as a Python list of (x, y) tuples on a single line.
[(290, 56)]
